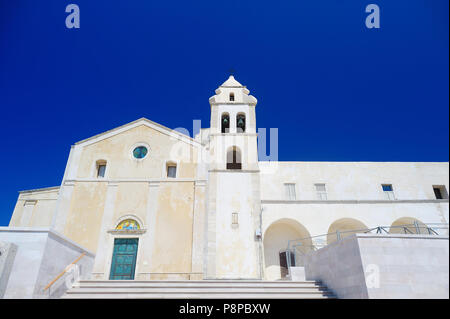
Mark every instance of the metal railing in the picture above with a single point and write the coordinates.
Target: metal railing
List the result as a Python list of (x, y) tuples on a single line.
[(297, 248), (63, 272)]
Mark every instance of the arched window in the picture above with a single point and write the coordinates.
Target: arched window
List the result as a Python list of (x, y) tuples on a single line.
[(240, 122), (225, 123), (100, 168), (234, 158), (231, 97), (128, 224)]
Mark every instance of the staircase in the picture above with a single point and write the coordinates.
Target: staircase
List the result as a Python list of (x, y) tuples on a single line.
[(203, 289)]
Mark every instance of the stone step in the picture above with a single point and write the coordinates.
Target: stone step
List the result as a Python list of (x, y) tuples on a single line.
[(195, 290), (204, 289), (198, 284), (199, 296), (223, 295)]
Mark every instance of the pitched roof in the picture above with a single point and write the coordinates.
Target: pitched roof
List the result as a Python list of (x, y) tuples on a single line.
[(142, 121), (231, 82)]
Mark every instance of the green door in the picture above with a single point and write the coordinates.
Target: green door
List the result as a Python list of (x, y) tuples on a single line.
[(124, 258)]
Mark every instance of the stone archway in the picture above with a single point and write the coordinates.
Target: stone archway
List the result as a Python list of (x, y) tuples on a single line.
[(276, 239), (345, 227), (408, 225)]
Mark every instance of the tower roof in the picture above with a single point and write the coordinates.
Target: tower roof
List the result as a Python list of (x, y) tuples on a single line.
[(232, 87), (232, 83)]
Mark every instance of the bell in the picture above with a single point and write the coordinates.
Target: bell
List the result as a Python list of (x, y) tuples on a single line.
[(241, 122), (225, 120)]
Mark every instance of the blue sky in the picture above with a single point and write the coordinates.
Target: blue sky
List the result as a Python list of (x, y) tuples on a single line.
[(336, 90)]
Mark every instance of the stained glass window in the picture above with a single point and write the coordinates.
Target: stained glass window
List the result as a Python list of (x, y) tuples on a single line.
[(128, 224), (140, 152)]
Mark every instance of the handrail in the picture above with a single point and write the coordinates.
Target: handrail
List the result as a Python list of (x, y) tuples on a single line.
[(379, 229), (294, 244), (64, 271)]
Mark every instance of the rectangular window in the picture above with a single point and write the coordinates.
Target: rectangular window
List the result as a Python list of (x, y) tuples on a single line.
[(440, 192), (321, 191), (290, 191), (235, 219), (172, 171), (101, 170), (388, 191)]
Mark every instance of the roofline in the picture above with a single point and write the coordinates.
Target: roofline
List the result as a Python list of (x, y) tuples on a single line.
[(164, 128), (353, 162), (39, 189)]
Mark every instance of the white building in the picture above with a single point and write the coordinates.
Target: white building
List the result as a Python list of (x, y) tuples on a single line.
[(206, 208)]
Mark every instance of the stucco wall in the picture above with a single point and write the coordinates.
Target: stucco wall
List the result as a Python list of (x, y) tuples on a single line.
[(383, 266), (235, 247), (35, 208), (41, 255), (353, 180), (7, 254), (117, 151)]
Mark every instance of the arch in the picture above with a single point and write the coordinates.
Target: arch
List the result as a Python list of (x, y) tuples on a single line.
[(408, 225), (345, 227), (128, 224), (129, 217), (225, 123), (234, 158), (240, 122), (275, 241)]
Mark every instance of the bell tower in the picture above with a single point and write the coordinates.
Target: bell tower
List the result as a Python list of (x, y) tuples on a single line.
[(233, 250)]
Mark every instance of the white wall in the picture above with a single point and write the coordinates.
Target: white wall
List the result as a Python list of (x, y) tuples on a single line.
[(383, 266), (41, 255), (354, 180)]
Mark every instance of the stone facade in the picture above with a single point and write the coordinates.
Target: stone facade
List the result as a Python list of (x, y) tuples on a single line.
[(212, 220)]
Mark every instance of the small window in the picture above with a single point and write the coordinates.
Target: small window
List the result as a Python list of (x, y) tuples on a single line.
[(100, 168), (231, 97), (388, 191), (290, 191), (172, 171), (440, 192), (235, 219), (140, 152), (321, 191)]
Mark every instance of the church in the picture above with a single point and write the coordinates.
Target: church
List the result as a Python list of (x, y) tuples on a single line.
[(148, 203)]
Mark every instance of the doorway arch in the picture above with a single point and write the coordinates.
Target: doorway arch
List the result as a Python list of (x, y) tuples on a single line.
[(275, 242)]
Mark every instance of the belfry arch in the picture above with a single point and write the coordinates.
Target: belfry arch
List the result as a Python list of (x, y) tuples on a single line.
[(275, 242)]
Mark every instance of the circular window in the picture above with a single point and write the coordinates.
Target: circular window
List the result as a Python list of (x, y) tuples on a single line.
[(140, 152)]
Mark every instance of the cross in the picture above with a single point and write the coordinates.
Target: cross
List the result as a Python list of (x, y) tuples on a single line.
[(231, 71)]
